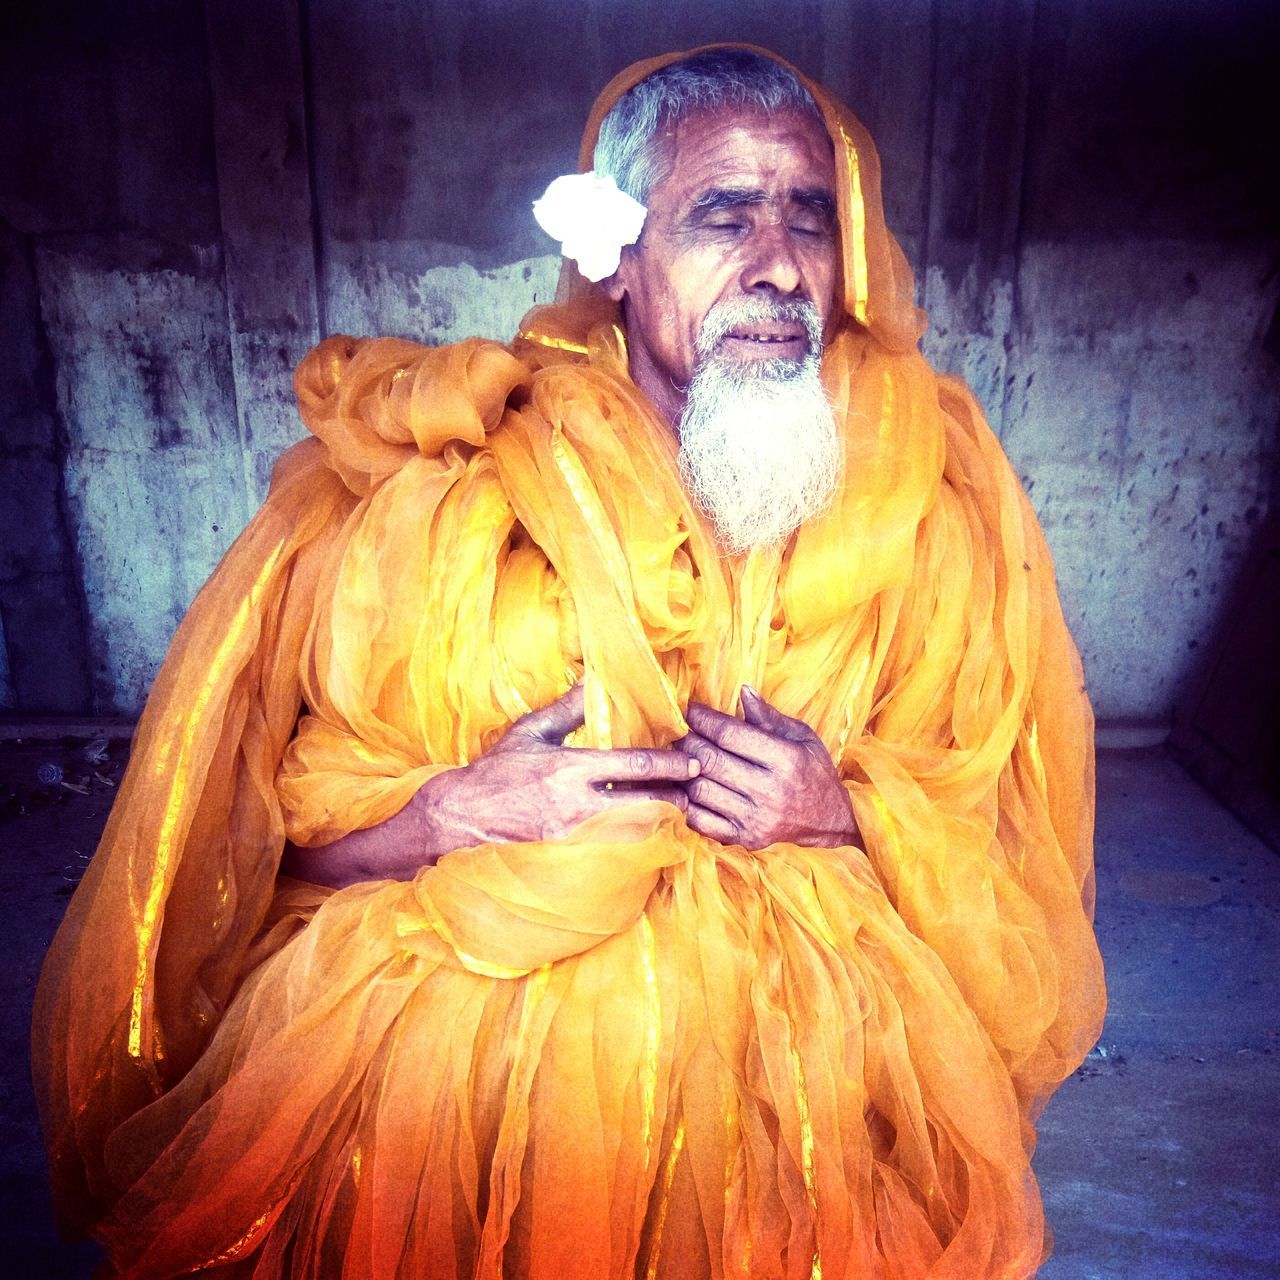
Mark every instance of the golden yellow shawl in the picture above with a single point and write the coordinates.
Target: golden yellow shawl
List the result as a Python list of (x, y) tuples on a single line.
[(632, 1052)]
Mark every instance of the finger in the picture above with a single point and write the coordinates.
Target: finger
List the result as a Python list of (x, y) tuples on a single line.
[(707, 823), (723, 766), (637, 765), (555, 721), (730, 772), (633, 795), (756, 711), (728, 803), (732, 737)]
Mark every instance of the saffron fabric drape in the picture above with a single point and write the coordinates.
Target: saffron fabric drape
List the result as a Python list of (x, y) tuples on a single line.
[(634, 1051)]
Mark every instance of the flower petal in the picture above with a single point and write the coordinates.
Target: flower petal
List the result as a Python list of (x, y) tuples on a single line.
[(592, 218)]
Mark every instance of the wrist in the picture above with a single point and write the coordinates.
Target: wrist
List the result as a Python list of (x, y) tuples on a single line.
[(434, 832), (847, 831), (452, 811)]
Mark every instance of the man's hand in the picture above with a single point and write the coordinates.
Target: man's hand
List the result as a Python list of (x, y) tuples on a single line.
[(765, 778), (530, 786)]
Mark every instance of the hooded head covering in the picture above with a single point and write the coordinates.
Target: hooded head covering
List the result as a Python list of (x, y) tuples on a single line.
[(875, 283)]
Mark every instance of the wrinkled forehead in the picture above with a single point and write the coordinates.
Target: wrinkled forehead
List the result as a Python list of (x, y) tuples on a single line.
[(773, 153)]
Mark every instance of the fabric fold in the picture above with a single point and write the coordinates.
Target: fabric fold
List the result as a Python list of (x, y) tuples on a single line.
[(632, 1051)]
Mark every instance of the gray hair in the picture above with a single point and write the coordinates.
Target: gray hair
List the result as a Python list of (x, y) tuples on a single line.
[(708, 81)]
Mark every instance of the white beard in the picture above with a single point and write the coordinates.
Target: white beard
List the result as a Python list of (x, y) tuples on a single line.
[(759, 452)]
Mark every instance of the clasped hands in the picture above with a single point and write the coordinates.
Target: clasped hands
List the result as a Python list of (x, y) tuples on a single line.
[(753, 781)]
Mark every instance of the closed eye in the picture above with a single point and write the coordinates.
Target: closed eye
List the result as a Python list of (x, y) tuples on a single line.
[(810, 231), (814, 213)]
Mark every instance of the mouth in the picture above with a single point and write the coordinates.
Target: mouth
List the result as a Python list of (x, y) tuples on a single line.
[(767, 340), (760, 334)]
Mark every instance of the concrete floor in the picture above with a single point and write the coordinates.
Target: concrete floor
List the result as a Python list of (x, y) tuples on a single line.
[(1159, 1159)]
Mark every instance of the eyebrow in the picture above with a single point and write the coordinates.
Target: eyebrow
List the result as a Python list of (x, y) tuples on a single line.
[(816, 198), (721, 198)]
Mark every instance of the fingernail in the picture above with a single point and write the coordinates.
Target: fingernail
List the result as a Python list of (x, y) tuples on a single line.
[(746, 688), (694, 768)]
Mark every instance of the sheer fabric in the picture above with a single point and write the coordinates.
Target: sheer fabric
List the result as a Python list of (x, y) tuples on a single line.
[(634, 1051)]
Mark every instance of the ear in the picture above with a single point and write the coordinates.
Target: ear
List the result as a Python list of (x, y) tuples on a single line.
[(615, 286)]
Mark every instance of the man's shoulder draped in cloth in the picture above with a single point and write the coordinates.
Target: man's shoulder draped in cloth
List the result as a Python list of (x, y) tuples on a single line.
[(634, 1050)]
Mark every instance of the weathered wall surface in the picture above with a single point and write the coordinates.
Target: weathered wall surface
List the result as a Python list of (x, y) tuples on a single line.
[(191, 194), (110, 191)]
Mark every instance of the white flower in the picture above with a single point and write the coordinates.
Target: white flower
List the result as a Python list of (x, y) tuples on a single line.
[(592, 219)]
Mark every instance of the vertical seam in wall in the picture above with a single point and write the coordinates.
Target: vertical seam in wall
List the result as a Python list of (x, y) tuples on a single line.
[(242, 438), (1015, 284), (313, 186), (6, 685), (926, 237), (47, 380)]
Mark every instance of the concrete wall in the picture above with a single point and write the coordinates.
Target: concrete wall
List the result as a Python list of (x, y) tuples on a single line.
[(191, 194)]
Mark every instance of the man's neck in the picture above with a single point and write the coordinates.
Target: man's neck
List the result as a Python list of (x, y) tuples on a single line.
[(667, 398)]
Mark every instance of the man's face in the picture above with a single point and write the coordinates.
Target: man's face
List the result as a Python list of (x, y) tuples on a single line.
[(746, 211)]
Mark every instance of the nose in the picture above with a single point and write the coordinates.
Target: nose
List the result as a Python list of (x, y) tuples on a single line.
[(772, 266)]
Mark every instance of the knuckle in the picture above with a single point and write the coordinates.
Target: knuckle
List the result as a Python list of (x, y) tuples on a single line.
[(517, 731), (641, 765)]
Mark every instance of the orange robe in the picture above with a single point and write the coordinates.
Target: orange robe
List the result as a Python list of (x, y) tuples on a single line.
[(634, 1051)]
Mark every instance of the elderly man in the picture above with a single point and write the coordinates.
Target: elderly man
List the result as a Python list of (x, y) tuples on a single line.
[(679, 764)]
